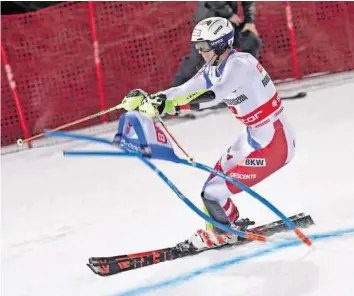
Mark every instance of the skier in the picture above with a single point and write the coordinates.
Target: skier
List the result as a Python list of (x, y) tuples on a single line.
[(238, 79)]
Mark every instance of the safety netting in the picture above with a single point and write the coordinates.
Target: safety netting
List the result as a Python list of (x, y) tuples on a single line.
[(72, 60)]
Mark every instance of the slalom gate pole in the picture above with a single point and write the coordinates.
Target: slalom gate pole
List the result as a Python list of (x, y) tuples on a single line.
[(247, 235), (197, 165)]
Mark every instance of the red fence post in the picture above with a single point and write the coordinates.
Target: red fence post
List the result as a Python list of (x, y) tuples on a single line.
[(289, 22), (96, 53), (12, 83)]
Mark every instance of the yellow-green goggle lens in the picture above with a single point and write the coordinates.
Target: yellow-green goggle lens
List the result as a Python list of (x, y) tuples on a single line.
[(202, 46)]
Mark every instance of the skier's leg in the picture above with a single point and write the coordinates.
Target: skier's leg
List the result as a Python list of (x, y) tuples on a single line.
[(250, 170)]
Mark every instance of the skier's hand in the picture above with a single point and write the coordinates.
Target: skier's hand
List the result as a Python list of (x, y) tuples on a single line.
[(156, 104), (162, 104), (134, 99)]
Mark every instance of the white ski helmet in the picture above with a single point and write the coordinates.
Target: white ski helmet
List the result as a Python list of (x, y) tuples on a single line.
[(213, 33)]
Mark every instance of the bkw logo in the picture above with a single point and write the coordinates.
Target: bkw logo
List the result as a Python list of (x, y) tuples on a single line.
[(254, 162)]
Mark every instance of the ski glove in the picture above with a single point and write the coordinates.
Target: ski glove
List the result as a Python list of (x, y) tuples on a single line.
[(162, 104), (134, 99), (157, 104)]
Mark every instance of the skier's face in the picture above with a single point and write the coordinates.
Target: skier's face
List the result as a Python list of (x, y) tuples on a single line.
[(208, 56), (204, 48)]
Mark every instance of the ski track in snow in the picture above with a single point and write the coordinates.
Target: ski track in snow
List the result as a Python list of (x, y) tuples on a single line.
[(233, 261)]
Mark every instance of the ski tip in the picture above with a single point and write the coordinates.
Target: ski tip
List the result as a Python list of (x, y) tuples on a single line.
[(92, 268), (99, 269), (302, 94), (297, 96)]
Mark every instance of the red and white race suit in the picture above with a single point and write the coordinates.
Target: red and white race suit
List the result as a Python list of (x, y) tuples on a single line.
[(266, 144)]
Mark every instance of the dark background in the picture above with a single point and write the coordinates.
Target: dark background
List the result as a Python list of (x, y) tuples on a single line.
[(18, 7)]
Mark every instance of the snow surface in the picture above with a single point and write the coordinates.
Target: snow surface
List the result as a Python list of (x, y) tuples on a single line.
[(58, 211)]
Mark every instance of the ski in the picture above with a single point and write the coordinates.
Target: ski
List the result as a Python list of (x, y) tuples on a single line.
[(105, 266), (179, 117), (299, 95)]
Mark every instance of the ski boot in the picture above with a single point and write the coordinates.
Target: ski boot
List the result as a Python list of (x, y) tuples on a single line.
[(206, 239)]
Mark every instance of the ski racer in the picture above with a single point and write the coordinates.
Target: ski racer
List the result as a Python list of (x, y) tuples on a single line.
[(267, 142)]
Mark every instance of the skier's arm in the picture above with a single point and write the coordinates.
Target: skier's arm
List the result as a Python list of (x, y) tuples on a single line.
[(232, 77), (189, 92), (167, 100), (183, 94), (192, 92)]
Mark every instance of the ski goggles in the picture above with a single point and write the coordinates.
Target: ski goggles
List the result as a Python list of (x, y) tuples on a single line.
[(202, 46)]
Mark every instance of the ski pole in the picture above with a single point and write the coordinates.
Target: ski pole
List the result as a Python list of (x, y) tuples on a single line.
[(174, 139), (20, 142)]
